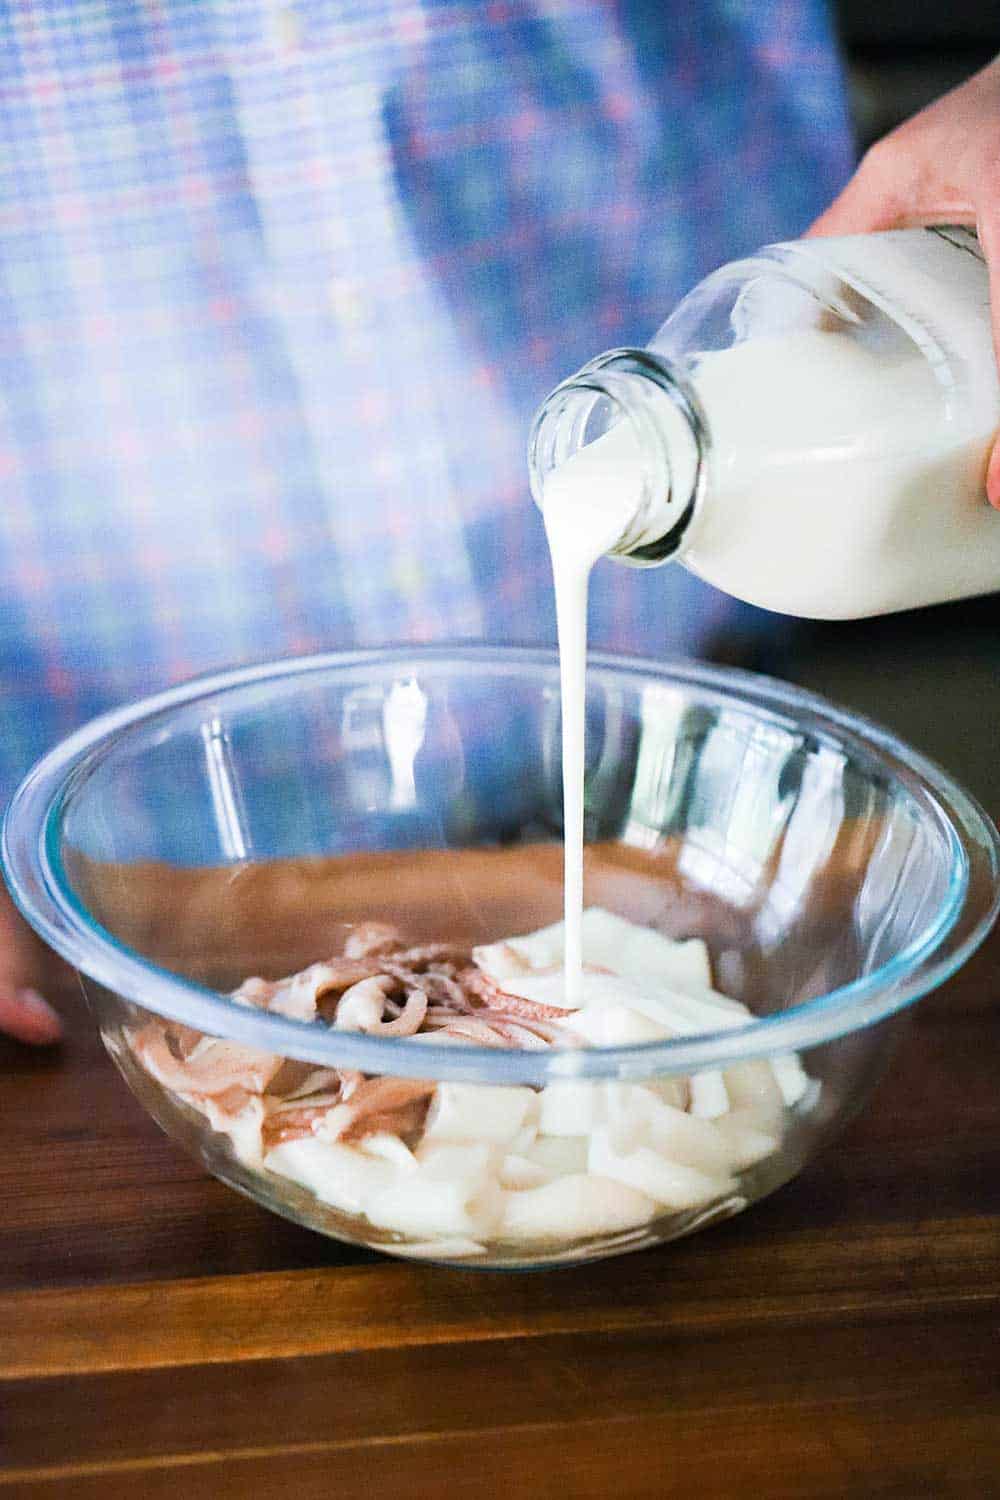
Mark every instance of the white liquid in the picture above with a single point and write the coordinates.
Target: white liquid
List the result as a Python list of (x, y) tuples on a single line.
[(588, 503), (839, 485)]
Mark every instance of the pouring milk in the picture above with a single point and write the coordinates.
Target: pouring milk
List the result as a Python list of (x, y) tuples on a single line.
[(808, 431)]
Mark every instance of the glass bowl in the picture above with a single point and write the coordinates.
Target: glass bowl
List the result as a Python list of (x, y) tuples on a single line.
[(248, 824)]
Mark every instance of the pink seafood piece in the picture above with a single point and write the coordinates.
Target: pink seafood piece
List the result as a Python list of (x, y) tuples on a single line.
[(292, 1121), (369, 938), (409, 1020), (439, 954), (377, 1099), (494, 998), (209, 1069)]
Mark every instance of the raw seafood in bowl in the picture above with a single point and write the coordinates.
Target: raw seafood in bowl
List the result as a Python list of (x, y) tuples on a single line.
[(316, 907)]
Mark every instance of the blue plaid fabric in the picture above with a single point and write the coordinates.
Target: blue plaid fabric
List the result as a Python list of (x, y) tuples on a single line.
[(282, 283)]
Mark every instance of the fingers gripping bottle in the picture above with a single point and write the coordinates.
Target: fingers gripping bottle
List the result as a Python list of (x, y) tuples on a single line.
[(808, 431)]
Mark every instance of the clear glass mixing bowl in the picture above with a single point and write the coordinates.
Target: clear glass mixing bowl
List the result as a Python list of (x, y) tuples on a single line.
[(242, 824)]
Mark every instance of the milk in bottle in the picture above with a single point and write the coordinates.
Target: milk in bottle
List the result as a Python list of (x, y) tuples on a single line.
[(808, 431)]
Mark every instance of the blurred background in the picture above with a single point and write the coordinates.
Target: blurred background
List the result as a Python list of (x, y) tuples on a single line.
[(932, 675)]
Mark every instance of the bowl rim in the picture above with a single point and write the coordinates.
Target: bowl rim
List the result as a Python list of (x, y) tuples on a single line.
[(34, 874)]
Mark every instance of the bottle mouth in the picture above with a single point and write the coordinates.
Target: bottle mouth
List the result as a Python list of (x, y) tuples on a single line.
[(669, 433)]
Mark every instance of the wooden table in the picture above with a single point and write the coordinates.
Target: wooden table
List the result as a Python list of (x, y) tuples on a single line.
[(161, 1336)]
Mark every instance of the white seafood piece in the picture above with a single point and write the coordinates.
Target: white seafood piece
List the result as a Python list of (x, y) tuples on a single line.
[(617, 1025), (749, 1135), (242, 1126), (609, 942), (339, 1175), (671, 1183), (422, 1205), (297, 999), (791, 1077), (574, 1207), (673, 1090), (696, 1011), (447, 1159), (569, 1108), (213, 1065), (637, 1118), (559, 1155), (709, 1097), (753, 1085), (389, 1147), (479, 1112), (542, 949), (518, 1172), (361, 1006), (678, 1013)]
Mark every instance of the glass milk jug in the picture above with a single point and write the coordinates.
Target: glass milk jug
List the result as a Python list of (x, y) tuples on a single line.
[(808, 431)]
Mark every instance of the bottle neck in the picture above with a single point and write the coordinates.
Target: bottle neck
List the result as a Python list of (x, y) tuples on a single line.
[(649, 441)]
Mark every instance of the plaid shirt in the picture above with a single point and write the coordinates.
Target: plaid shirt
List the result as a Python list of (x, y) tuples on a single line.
[(281, 284)]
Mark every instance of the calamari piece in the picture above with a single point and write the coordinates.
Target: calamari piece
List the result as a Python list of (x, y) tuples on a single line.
[(609, 942), (432, 955), (294, 1121), (369, 938), (484, 989), (750, 1137), (560, 1156), (517, 1172), (239, 1115), (389, 1147), (211, 1067), (360, 1007), (339, 1175), (378, 1104), (791, 1077), (479, 1112), (673, 1090), (298, 1080), (568, 1108), (753, 1085), (709, 1096), (617, 1026), (677, 1012), (670, 1183), (437, 1160), (420, 1204), (640, 953), (635, 1117), (574, 1207)]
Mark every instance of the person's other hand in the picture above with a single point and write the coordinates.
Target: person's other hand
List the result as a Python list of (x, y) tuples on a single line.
[(24, 963), (940, 167)]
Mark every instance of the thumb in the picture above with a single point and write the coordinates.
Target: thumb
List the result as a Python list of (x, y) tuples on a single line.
[(988, 226), (24, 960), (871, 200), (27, 1017)]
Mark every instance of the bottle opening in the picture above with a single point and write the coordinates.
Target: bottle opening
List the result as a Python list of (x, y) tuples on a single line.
[(626, 435)]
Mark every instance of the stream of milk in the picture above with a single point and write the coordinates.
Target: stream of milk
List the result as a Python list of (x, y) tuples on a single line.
[(589, 501)]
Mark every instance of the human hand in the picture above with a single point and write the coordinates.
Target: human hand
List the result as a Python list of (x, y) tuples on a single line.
[(940, 167), (24, 963)]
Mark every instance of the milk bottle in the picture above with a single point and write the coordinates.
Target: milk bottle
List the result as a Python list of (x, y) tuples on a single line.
[(809, 431)]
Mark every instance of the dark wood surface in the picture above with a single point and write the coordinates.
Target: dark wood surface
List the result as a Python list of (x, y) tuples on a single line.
[(160, 1335)]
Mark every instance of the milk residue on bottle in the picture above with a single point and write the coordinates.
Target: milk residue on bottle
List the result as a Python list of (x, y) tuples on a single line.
[(809, 431)]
